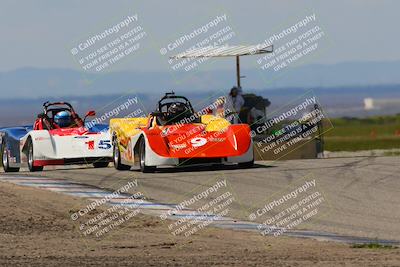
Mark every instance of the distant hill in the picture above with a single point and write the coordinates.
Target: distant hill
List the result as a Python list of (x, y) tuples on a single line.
[(340, 88), (336, 101), (33, 83)]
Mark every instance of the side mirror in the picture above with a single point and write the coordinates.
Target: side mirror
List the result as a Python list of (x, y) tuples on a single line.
[(90, 113)]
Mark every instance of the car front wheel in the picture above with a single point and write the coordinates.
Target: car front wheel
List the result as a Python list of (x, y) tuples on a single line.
[(117, 159), (31, 166), (6, 161), (142, 158)]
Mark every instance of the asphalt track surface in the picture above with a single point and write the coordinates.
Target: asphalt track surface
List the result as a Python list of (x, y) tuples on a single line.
[(361, 194)]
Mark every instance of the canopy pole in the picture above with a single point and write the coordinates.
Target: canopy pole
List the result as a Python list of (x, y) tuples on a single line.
[(238, 71)]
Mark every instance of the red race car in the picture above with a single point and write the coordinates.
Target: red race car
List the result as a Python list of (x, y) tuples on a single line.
[(176, 135)]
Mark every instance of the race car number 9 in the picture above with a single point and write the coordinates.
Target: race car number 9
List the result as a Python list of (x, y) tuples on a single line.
[(199, 141)]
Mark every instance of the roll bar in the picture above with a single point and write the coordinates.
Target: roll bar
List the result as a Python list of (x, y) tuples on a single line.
[(171, 95), (48, 104)]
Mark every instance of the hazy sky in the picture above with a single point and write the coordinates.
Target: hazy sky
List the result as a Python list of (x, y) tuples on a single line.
[(41, 33)]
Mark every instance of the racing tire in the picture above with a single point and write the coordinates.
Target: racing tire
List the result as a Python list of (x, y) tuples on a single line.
[(117, 159), (246, 165), (101, 164), (30, 158), (5, 160), (142, 158)]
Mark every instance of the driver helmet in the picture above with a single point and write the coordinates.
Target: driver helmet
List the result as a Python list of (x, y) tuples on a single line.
[(63, 119), (176, 109)]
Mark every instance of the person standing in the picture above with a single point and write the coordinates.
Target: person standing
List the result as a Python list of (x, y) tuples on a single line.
[(235, 104)]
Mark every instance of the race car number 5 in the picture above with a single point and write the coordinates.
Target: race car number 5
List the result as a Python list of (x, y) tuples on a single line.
[(199, 141)]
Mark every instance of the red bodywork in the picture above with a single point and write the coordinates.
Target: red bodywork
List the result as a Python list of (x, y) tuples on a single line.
[(192, 141), (45, 122)]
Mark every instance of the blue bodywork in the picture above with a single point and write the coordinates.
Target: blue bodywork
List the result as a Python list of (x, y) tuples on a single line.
[(11, 137), (98, 128)]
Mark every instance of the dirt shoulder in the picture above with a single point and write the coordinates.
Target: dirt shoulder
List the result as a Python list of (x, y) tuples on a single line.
[(36, 229)]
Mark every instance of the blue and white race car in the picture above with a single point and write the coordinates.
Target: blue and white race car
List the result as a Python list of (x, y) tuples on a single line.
[(57, 137)]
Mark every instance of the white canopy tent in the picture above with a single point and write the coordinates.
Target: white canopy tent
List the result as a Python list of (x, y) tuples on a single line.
[(226, 51)]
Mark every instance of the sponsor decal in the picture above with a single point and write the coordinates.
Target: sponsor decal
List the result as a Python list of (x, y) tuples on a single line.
[(90, 144), (178, 146), (81, 137), (216, 139)]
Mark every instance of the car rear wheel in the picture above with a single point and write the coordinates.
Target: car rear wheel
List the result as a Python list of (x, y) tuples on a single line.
[(31, 166), (117, 159), (142, 158), (5, 160)]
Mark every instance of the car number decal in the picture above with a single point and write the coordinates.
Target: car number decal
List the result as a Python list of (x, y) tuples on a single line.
[(198, 141), (105, 144)]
